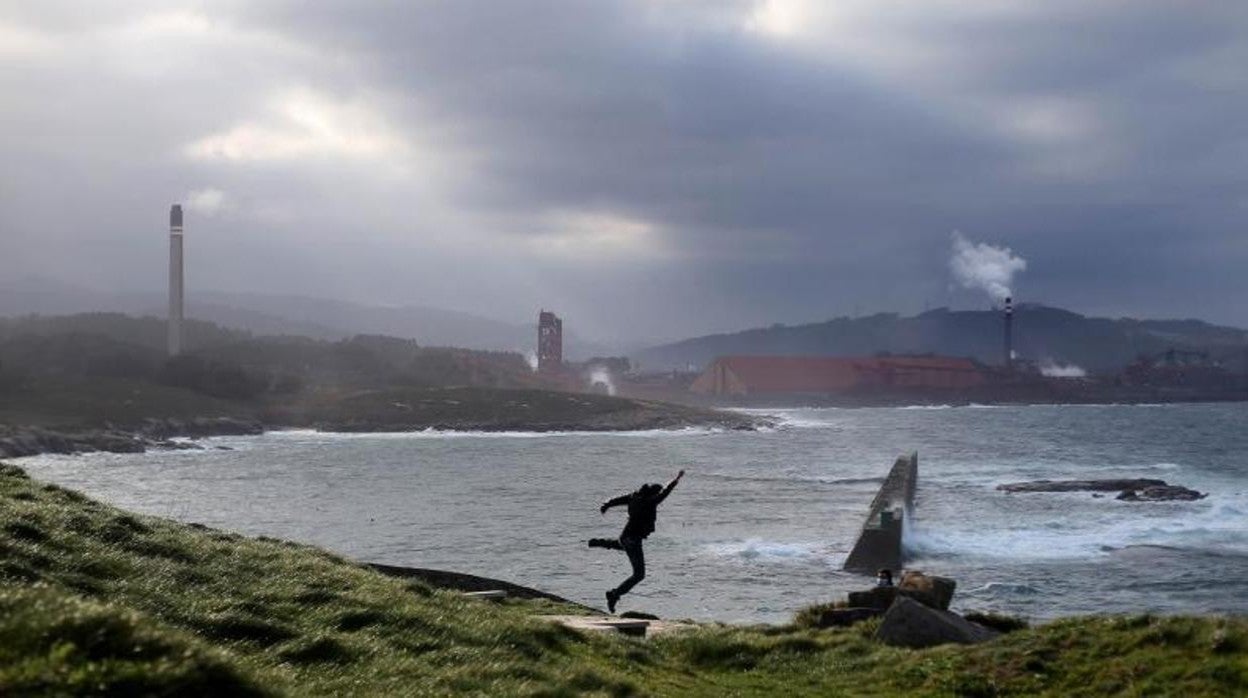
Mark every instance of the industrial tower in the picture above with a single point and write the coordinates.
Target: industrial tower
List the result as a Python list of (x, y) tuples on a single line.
[(549, 342), (175, 280)]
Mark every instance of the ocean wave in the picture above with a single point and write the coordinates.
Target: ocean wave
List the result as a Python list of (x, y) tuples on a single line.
[(789, 420), (312, 434), (1212, 524), (759, 550), (1002, 588), (788, 478)]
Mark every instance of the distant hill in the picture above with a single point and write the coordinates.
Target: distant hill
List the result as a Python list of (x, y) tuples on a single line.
[(1040, 333), (270, 314)]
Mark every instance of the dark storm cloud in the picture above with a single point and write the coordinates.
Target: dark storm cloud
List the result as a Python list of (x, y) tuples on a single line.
[(651, 168)]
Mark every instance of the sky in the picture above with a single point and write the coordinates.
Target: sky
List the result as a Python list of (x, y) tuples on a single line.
[(649, 169)]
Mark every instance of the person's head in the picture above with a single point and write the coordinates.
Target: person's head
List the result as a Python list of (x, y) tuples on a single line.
[(885, 575), (651, 489)]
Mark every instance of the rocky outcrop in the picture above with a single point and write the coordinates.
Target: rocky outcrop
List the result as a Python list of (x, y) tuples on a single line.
[(929, 590), (199, 427), (844, 617), (34, 441), (879, 598), (1131, 490), (1080, 485), (1161, 493), (153, 433), (909, 623)]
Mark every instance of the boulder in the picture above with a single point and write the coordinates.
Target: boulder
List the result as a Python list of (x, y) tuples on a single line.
[(844, 617), (931, 591), (909, 623), (877, 597), (1161, 493)]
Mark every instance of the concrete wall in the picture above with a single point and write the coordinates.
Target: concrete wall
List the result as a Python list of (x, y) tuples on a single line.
[(879, 545)]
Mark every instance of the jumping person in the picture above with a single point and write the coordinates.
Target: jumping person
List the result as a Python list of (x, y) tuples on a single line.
[(642, 510)]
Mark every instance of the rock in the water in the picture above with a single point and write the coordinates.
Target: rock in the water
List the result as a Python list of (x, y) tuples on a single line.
[(909, 623), (931, 591), (1081, 485), (1161, 493)]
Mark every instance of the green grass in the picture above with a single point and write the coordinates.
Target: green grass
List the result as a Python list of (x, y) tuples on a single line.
[(71, 403), (94, 600)]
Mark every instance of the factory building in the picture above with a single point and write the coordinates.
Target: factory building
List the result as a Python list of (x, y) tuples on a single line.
[(763, 375)]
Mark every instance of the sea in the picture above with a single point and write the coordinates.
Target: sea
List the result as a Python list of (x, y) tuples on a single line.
[(762, 522)]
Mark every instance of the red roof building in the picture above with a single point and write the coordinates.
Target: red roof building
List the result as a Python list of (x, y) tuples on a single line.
[(752, 375)]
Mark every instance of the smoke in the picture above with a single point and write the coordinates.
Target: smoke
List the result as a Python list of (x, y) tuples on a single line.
[(603, 376), (208, 201), (1052, 369), (985, 267), (530, 357)]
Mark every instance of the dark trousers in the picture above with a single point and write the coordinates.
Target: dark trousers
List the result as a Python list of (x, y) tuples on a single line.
[(632, 547)]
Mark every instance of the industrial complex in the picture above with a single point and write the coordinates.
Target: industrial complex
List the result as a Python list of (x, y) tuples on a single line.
[(882, 378)]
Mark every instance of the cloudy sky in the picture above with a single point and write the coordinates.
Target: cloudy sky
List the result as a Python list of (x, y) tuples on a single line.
[(649, 169)]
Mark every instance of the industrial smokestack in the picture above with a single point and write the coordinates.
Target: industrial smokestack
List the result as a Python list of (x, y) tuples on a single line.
[(1009, 333), (175, 280)]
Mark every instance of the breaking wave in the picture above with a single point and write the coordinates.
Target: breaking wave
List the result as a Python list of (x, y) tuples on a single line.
[(759, 550)]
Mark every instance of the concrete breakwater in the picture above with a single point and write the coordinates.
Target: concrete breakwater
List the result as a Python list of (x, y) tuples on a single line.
[(880, 543)]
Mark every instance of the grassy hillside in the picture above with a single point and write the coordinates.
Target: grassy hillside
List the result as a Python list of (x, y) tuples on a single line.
[(94, 600), (69, 403)]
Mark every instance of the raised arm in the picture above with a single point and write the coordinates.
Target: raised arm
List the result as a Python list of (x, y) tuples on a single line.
[(670, 486), (622, 499)]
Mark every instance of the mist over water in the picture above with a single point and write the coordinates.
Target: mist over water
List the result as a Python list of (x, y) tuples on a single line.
[(762, 521)]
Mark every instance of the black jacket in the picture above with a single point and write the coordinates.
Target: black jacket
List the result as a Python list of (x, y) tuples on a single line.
[(642, 512)]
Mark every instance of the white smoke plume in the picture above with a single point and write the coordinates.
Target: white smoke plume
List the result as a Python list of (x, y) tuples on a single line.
[(985, 267), (1052, 369), (208, 202), (530, 357), (603, 376)]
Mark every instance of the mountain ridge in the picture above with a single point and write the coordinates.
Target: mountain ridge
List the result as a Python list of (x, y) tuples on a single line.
[(1041, 333)]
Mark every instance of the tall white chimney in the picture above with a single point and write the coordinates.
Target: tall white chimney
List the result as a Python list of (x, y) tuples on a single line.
[(175, 280)]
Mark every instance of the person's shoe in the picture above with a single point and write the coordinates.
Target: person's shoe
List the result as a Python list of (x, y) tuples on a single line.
[(597, 542), (612, 599)]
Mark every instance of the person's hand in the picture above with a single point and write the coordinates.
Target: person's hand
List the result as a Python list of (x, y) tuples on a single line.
[(603, 509), (680, 474)]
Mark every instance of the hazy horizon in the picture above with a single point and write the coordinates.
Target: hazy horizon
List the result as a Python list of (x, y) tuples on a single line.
[(649, 170)]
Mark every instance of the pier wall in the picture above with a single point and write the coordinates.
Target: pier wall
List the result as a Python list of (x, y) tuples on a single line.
[(880, 543)]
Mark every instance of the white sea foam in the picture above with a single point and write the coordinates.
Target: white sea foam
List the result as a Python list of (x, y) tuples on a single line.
[(309, 434), (1212, 524), (759, 550), (800, 419), (999, 588)]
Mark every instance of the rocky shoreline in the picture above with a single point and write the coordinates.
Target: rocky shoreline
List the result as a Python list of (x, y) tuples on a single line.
[(18, 442), (167, 434)]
